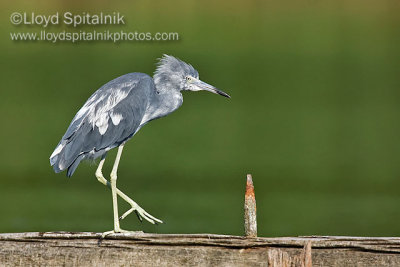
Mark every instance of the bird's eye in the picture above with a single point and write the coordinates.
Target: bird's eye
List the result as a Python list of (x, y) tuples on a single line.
[(188, 78)]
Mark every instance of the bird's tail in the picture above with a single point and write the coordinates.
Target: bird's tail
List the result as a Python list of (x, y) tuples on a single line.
[(56, 156), (67, 155)]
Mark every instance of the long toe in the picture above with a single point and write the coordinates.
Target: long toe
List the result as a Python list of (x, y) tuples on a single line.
[(127, 213), (142, 214), (119, 231), (103, 235)]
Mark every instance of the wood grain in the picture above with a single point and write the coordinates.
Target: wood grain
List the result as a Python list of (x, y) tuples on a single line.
[(143, 249)]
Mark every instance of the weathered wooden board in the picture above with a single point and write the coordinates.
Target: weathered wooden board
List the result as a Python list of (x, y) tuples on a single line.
[(142, 249)]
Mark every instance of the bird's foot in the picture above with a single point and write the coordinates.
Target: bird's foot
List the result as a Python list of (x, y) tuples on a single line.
[(141, 214), (118, 231)]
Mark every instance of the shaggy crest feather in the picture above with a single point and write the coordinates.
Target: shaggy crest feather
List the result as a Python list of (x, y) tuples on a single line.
[(170, 69)]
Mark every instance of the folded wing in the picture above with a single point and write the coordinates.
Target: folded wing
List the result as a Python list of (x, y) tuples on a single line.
[(108, 118)]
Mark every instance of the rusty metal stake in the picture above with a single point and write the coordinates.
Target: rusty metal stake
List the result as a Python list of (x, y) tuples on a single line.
[(250, 216)]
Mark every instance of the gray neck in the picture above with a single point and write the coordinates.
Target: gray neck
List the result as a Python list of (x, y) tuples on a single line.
[(163, 102)]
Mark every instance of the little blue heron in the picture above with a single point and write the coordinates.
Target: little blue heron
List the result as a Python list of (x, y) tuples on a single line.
[(116, 112)]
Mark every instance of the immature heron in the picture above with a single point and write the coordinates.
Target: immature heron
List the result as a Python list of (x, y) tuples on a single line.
[(116, 112)]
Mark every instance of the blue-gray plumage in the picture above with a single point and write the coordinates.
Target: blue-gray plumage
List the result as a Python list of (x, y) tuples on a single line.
[(116, 112)]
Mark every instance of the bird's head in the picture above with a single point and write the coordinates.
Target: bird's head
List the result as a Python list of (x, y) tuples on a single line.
[(174, 73)]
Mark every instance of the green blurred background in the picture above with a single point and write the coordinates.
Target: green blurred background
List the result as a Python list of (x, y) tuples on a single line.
[(314, 116)]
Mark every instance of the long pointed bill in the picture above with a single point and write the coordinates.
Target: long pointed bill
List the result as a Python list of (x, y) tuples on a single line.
[(200, 85)]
